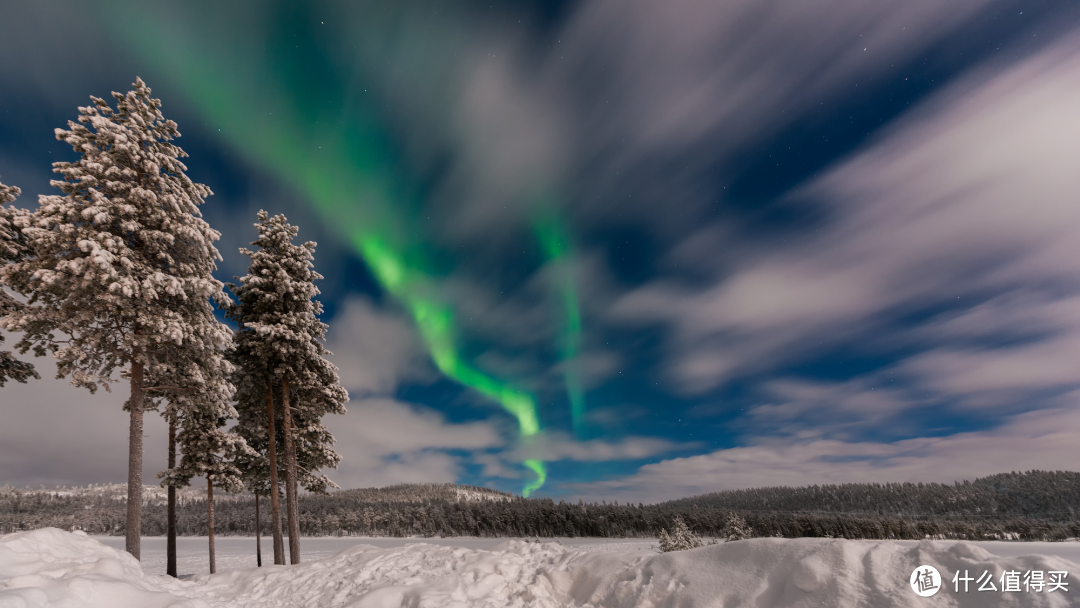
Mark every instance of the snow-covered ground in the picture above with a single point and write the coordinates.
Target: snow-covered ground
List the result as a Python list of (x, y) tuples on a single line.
[(238, 553), (61, 569)]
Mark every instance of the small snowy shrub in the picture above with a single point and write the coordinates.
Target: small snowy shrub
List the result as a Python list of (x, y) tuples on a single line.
[(735, 528), (665, 541), (680, 539)]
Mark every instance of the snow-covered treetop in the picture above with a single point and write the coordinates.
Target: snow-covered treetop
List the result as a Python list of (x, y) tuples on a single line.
[(8, 193), (278, 315), (123, 259)]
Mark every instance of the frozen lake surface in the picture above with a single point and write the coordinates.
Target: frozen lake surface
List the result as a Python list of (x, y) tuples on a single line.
[(238, 552)]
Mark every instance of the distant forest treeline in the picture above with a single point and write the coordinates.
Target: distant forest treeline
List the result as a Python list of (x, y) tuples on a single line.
[(1035, 505)]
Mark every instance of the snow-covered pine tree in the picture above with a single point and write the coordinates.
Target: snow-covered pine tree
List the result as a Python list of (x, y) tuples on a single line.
[(735, 528), (121, 273), (308, 444), (681, 537), (13, 248), (666, 545), (254, 358), (279, 316), (198, 391), (208, 451)]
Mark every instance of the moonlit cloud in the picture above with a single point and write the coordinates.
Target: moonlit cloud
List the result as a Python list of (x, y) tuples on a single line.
[(1042, 440), (838, 410), (972, 192), (56, 434), (375, 350), (384, 442), (559, 446)]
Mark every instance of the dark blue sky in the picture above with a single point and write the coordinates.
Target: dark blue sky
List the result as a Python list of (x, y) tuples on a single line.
[(766, 243)]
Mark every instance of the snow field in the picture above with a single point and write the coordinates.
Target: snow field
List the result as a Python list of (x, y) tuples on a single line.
[(58, 569)]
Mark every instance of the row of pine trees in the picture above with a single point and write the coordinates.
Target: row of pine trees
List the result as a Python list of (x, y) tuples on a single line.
[(116, 273), (434, 511)]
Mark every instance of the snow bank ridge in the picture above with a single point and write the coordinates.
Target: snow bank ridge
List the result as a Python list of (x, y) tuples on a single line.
[(51, 568)]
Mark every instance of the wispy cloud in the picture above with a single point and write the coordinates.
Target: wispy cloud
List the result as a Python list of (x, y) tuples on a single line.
[(384, 442), (1042, 439), (375, 349), (972, 194), (554, 446), (965, 209), (56, 434)]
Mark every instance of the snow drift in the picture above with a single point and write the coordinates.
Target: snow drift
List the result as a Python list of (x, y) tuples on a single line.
[(59, 569)]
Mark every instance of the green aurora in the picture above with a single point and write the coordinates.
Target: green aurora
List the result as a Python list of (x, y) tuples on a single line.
[(554, 241), (337, 155)]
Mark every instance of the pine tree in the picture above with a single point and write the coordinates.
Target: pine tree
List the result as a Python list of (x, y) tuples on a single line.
[(735, 528), (195, 417), (681, 537), (208, 451), (312, 439), (666, 544), (13, 248), (122, 267), (254, 358), (281, 333)]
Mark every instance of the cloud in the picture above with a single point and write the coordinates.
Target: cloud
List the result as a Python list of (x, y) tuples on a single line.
[(1043, 439), (625, 111), (554, 446), (971, 194), (384, 442), (1007, 345), (679, 89), (375, 349), (583, 114), (511, 145), (840, 410), (56, 434)]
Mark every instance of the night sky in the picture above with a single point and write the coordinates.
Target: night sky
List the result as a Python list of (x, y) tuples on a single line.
[(615, 249)]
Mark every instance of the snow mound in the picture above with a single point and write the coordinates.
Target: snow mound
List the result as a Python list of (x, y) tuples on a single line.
[(49, 567), (59, 569)]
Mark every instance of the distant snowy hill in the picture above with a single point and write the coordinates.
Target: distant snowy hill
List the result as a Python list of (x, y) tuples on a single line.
[(421, 492), (1053, 495)]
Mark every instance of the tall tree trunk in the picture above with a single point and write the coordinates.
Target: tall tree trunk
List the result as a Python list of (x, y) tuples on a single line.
[(258, 534), (275, 511), (290, 479), (210, 520), (133, 527), (170, 540)]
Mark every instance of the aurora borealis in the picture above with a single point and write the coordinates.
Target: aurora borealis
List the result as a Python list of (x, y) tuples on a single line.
[(350, 185), (556, 247), (621, 250)]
